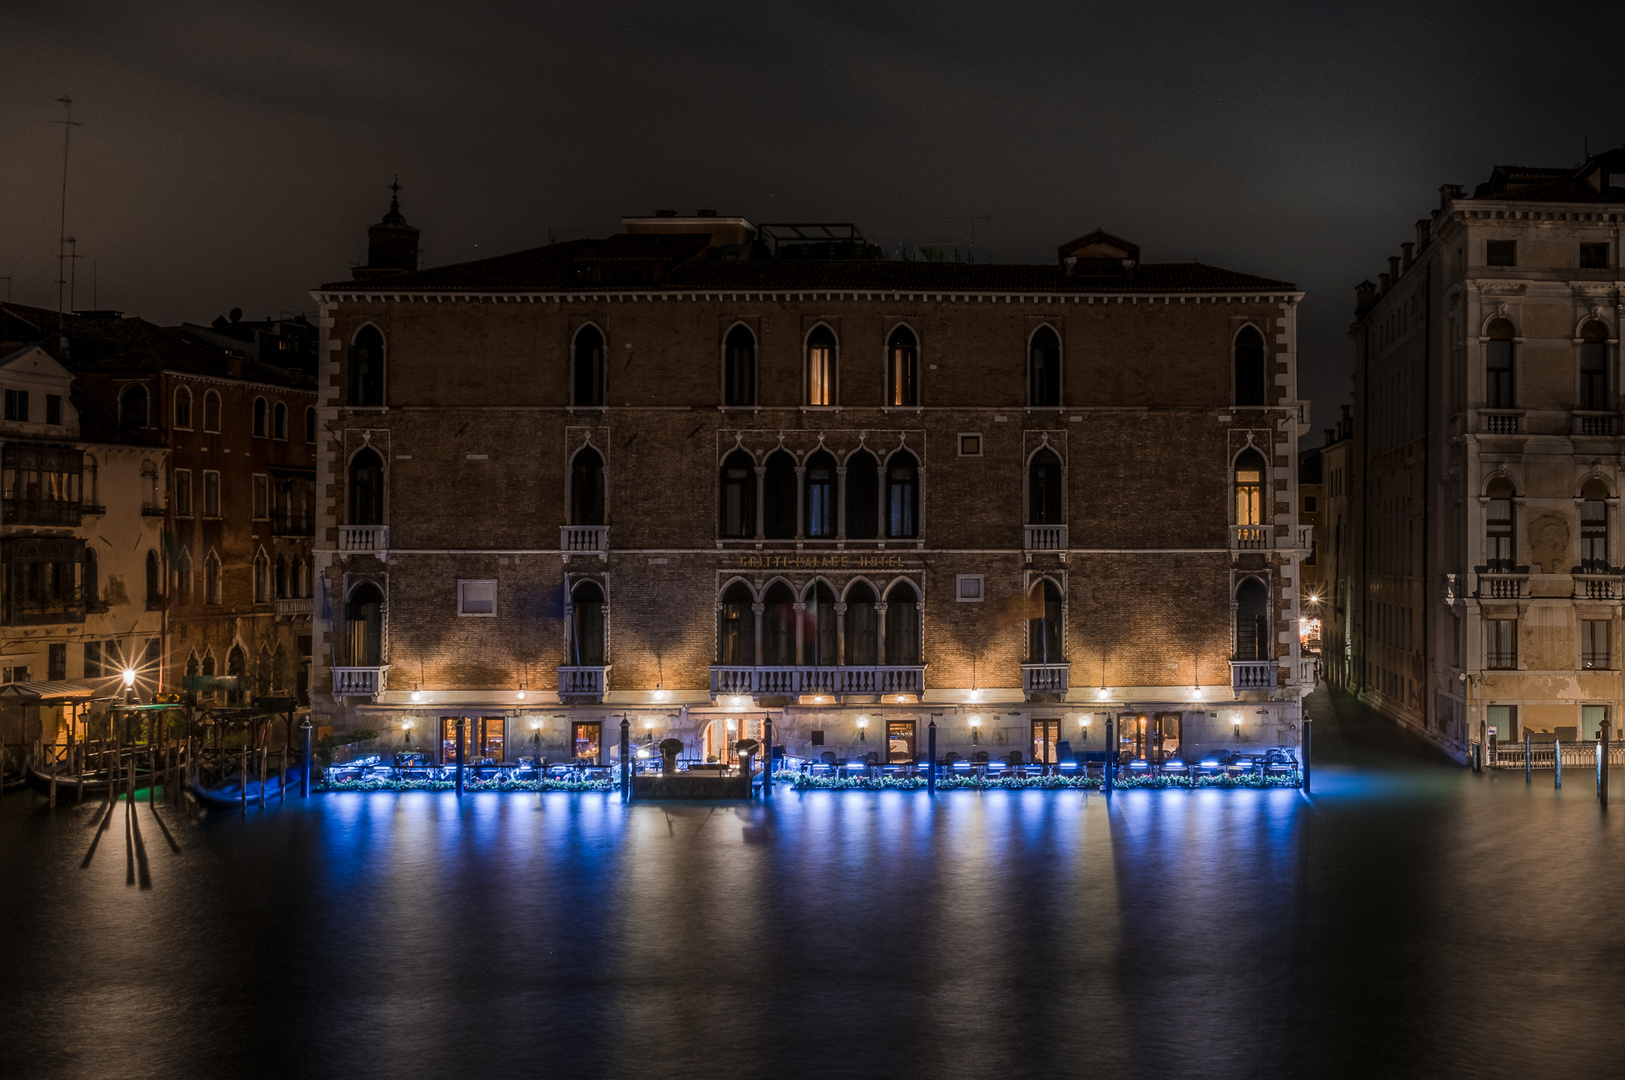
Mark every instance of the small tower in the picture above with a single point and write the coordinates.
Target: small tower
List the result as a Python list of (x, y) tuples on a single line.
[(392, 244)]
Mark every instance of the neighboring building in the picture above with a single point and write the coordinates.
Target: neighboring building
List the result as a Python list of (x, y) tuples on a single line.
[(233, 486), (80, 551), (1487, 589), (1335, 540), (687, 476), (1312, 587)]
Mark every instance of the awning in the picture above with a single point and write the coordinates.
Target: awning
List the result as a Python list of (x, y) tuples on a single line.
[(54, 693)]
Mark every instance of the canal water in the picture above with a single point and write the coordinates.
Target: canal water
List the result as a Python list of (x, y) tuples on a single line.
[(1407, 919)]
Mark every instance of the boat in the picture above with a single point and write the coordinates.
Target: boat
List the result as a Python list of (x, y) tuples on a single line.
[(227, 793), (75, 786)]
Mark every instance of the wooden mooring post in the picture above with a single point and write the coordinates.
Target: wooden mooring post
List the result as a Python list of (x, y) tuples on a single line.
[(243, 774), (1308, 741), (308, 731), (1528, 758), (931, 758), (1602, 765), (1489, 755), (1557, 759), (1106, 766), (460, 722)]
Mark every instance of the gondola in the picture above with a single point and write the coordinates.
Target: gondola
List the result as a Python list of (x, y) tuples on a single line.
[(227, 794), (72, 786)]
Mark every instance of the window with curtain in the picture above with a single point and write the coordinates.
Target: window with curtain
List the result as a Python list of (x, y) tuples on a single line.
[(821, 372), (902, 495), (902, 625), (1594, 367), (862, 496), (1044, 497), (1044, 369), (1498, 528), (1249, 480), (1252, 621), (366, 488), (736, 626), (587, 370), (1249, 367), (903, 367), (366, 369), (779, 626), (820, 638), (587, 625), (820, 495), (779, 495), (739, 367), (1498, 366), (861, 626), (1594, 528), (587, 487), (737, 513)]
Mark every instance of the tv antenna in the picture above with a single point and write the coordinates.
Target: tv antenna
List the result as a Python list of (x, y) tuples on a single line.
[(971, 221), (68, 124)]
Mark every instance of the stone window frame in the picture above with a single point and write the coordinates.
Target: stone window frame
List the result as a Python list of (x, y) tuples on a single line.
[(463, 600)]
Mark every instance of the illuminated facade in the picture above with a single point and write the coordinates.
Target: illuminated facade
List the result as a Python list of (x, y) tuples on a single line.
[(703, 472), (1486, 590)]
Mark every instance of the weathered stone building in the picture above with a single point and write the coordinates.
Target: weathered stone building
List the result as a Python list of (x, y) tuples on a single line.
[(1487, 590), (702, 471)]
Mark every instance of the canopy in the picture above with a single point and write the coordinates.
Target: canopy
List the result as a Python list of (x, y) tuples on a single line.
[(52, 693)]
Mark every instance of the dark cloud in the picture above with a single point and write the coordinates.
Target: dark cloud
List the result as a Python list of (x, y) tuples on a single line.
[(233, 154)]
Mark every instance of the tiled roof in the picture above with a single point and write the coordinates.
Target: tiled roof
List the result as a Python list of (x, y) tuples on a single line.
[(593, 265), (115, 344)]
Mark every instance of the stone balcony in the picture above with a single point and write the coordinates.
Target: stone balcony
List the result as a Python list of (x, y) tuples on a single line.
[(1252, 675), (354, 539), (584, 682), (1045, 538), (584, 540), (880, 680), (359, 681)]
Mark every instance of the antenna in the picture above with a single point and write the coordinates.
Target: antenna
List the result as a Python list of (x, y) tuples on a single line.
[(68, 124), (972, 221)]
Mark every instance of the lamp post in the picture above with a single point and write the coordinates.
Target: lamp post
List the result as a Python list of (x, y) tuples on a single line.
[(931, 755)]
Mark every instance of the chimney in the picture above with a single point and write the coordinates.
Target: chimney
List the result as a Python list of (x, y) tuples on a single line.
[(1393, 269), (1384, 283), (1410, 257), (1365, 294), (1424, 233), (1329, 437), (1447, 193)]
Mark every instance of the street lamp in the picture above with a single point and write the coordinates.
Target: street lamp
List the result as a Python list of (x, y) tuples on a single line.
[(975, 730), (129, 686)]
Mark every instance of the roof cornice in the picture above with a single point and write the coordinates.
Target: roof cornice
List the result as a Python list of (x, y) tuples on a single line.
[(454, 296)]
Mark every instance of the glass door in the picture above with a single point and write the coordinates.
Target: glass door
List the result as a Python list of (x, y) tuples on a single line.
[(585, 739), (1165, 737), (1046, 733), (899, 740)]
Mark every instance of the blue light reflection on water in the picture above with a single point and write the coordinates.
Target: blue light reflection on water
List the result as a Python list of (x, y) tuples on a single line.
[(1367, 930)]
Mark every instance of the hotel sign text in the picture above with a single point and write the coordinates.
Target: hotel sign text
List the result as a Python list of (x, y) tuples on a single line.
[(841, 561)]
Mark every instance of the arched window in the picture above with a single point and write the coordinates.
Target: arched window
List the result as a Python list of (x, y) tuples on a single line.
[(155, 596), (211, 578), (237, 668), (132, 407), (90, 579), (1249, 479), (262, 672), (903, 367), (367, 368), (211, 411), (779, 497), (183, 407), (260, 430), (1044, 369), (902, 495), (819, 635), (1249, 364), (1044, 623), (736, 627), (208, 664), (1498, 366), (861, 639), (820, 494), (149, 486), (1252, 620), (902, 625), (587, 488), (779, 626), (366, 488), (1594, 528), (307, 584), (310, 425), (821, 370), (279, 669), (1594, 367), (739, 367), (587, 625), (262, 578), (279, 421), (191, 664), (1045, 500), (587, 371), (737, 514), (363, 627), (282, 578), (1499, 550), (862, 496), (183, 577)]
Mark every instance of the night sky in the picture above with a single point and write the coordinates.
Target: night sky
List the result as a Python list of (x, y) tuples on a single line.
[(233, 155)]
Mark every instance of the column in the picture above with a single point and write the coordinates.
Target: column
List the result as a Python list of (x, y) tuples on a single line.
[(761, 502), (756, 610), (880, 633), (883, 529), (801, 506), (840, 502), (800, 616), (840, 635)]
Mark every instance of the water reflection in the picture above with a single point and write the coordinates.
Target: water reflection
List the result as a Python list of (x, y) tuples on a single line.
[(1409, 918)]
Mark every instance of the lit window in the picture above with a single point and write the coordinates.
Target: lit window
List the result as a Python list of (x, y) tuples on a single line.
[(476, 597), (821, 367)]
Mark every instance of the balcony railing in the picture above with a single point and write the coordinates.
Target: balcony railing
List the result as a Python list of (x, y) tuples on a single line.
[(43, 512), (152, 509), (1501, 421), (586, 539), (1502, 586), (1501, 661), (1044, 678), (1599, 587), (1588, 422), (1249, 537), (363, 537), (292, 524), (1046, 538), (359, 681), (294, 607), (791, 681), (581, 682), (1252, 675)]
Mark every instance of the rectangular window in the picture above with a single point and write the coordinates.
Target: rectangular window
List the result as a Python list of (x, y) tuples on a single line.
[(476, 597), (1594, 652), (18, 674), (262, 496), (53, 408), (1498, 536), (17, 405), (970, 444), (969, 588), (1593, 256), (93, 659), (1592, 720), (1309, 504), (1503, 720), (211, 494), (183, 493), (585, 740), (900, 740), (1501, 644), (1500, 253), (56, 661)]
